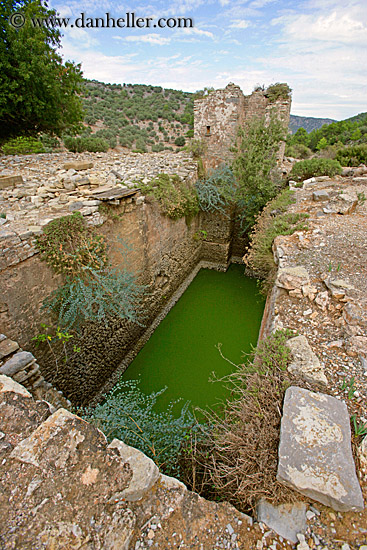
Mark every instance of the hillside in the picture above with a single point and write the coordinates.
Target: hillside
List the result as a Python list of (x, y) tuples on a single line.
[(309, 123), (139, 117)]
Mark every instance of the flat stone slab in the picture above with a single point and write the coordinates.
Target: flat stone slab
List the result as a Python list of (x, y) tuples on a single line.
[(292, 278), (315, 455), (78, 165), (7, 347), (287, 520), (10, 181), (17, 363), (115, 193)]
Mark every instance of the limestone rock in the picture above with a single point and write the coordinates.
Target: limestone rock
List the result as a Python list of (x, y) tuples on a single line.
[(304, 362), (145, 472), (7, 384), (354, 315), (292, 278), (315, 455), (78, 165), (338, 288), (322, 300), (345, 203), (287, 519), (320, 195), (16, 363), (7, 347)]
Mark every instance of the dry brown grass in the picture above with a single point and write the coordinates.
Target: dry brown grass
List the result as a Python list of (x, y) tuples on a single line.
[(237, 459)]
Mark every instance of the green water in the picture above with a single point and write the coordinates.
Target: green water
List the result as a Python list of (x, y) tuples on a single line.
[(181, 354)]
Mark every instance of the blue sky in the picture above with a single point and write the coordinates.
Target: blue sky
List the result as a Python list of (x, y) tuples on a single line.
[(319, 47)]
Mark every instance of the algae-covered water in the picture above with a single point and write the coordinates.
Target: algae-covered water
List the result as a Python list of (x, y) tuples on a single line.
[(216, 308)]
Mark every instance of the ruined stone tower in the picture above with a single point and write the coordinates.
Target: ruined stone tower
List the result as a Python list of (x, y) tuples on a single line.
[(218, 116)]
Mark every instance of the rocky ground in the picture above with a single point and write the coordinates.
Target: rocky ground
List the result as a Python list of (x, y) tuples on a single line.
[(55, 184)]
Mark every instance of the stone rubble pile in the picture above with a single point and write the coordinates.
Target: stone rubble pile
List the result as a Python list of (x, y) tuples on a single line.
[(35, 189)]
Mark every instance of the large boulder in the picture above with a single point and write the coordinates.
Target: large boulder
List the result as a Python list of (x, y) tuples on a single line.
[(315, 455)]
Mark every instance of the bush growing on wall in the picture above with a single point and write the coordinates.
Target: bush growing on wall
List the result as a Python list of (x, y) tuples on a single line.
[(93, 290), (217, 191)]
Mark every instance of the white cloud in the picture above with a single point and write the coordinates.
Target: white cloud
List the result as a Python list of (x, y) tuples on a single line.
[(196, 32), (154, 39), (239, 24)]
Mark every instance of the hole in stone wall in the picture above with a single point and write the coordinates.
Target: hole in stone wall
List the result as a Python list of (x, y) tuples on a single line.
[(208, 130)]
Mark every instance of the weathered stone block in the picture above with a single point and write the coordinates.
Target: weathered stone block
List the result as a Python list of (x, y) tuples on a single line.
[(292, 278), (7, 347), (78, 165), (17, 363), (304, 362), (10, 181), (287, 519), (145, 472), (315, 455), (320, 195)]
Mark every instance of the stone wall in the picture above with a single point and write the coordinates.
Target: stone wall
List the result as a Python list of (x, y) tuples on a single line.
[(219, 115)]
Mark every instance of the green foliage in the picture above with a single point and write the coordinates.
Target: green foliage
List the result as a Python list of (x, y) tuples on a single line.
[(22, 146), (216, 192), (96, 295), (69, 246), (38, 92), (180, 141), (322, 144), (277, 91), (177, 199), (274, 220), (349, 387), (50, 143), (309, 168), (128, 414), (272, 353), (298, 151), (348, 132), (80, 144), (197, 147), (124, 111), (254, 167), (93, 290), (360, 428), (55, 338), (352, 156)]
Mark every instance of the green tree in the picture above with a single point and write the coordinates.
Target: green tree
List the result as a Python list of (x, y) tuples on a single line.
[(322, 144), (254, 167), (38, 92)]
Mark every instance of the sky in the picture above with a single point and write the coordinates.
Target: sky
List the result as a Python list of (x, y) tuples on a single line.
[(319, 47)]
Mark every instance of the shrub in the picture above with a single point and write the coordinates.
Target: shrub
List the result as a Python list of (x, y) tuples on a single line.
[(180, 141), (353, 155), (50, 143), (128, 414), (22, 146), (197, 147), (255, 167), (93, 291), (298, 151), (278, 91), (177, 199), (216, 192), (237, 458), (308, 168), (273, 221), (81, 144)]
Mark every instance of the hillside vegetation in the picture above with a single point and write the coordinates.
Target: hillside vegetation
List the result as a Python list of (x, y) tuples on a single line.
[(140, 117), (345, 141), (309, 123)]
